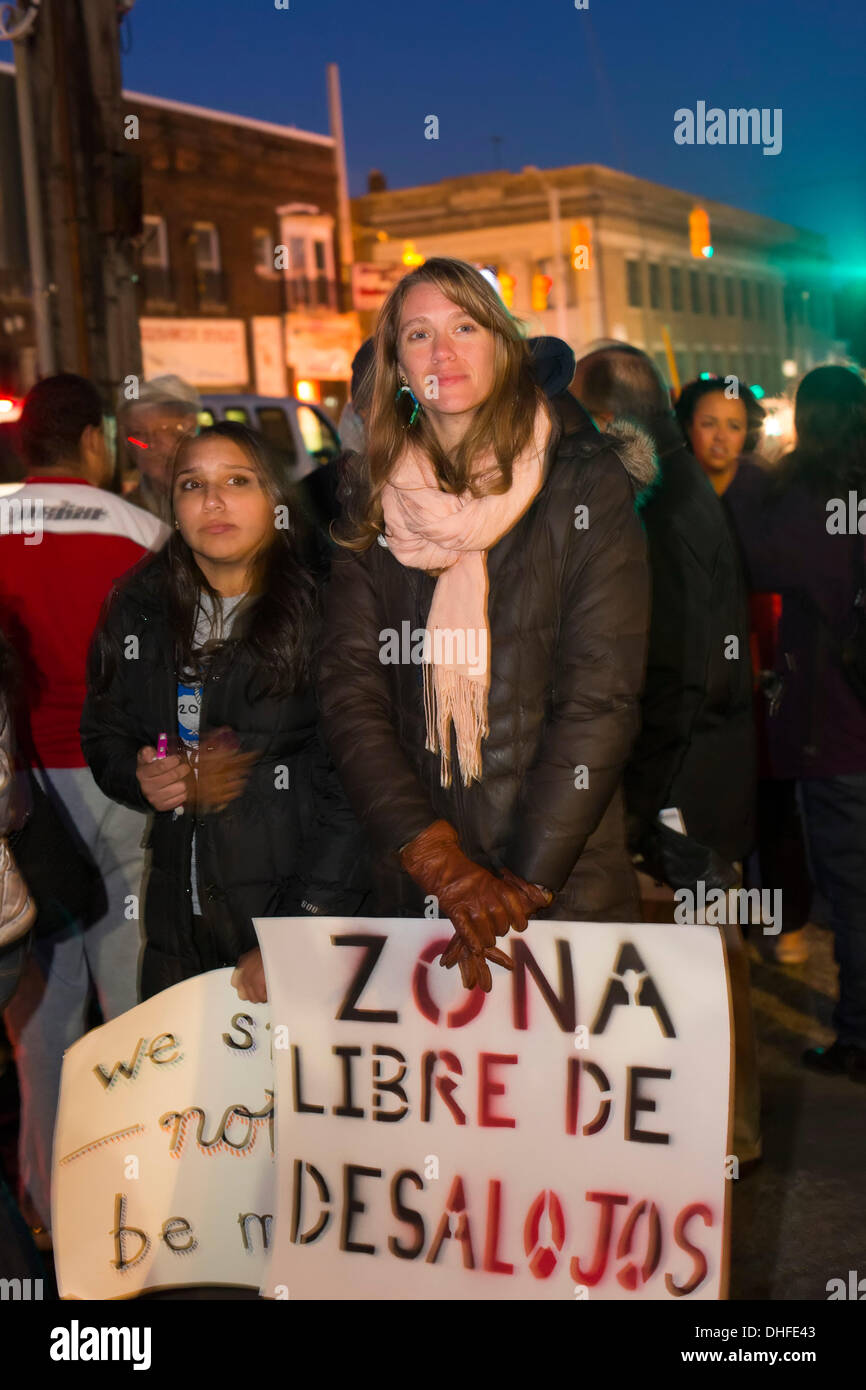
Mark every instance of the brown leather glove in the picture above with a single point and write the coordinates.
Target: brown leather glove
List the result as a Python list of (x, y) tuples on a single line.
[(479, 905), (533, 897)]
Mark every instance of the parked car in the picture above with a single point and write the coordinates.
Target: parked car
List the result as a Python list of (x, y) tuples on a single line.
[(301, 431)]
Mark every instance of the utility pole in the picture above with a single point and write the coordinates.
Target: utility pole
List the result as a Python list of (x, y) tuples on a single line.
[(82, 184), (347, 254)]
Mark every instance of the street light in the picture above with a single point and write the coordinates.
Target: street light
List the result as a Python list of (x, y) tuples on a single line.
[(553, 198)]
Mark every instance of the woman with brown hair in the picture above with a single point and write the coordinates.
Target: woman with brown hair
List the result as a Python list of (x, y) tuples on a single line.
[(486, 628)]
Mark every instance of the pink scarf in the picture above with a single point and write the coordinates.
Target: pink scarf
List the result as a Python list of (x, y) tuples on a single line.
[(437, 531)]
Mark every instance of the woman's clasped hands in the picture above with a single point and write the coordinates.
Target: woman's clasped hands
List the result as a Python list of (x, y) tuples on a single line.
[(480, 906)]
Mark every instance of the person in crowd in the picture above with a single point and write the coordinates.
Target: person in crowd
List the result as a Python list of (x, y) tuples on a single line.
[(696, 749), (321, 494), (485, 763), (51, 594), (801, 541), (18, 1253), (690, 781), (721, 418), (249, 817), (150, 427)]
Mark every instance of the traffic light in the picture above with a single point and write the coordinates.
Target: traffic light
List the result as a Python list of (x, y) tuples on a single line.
[(541, 287), (509, 284), (581, 246), (699, 234)]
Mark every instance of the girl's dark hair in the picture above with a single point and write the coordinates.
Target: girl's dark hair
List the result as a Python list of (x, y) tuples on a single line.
[(830, 418), (694, 391), (277, 622)]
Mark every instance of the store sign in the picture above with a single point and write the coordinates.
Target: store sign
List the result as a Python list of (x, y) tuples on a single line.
[(208, 353), (269, 356), (371, 283), (322, 348)]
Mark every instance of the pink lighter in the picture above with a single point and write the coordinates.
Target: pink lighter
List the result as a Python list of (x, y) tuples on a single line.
[(162, 746)]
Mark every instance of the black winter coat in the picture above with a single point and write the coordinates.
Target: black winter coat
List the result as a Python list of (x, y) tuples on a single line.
[(290, 838), (568, 612), (696, 747)]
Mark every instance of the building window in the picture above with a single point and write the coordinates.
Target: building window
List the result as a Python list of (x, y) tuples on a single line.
[(634, 286), (713, 295), (307, 257), (209, 277), (695, 292), (760, 302), (154, 261), (263, 251), (655, 286), (746, 292), (730, 298), (676, 289)]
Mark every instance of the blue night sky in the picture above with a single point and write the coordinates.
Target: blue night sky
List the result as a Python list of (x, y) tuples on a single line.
[(559, 85)]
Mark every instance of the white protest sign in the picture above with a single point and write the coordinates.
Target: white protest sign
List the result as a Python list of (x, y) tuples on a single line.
[(563, 1137), (163, 1148)]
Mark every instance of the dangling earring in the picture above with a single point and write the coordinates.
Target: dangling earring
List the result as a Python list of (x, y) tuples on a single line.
[(177, 525), (405, 389)]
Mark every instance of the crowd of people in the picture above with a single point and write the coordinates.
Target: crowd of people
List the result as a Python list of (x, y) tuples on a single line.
[(652, 676)]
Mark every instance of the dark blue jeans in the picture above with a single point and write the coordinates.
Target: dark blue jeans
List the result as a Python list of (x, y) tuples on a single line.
[(835, 811)]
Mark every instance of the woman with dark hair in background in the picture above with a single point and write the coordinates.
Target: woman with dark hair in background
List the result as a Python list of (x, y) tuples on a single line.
[(801, 541), (721, 427), (721, 419), (486, 764), (212, 644)]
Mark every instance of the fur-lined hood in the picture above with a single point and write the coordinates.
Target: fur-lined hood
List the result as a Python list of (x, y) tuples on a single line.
[(638, 453)]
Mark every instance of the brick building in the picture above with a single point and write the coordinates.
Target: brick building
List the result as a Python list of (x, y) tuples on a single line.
[(239, 279)]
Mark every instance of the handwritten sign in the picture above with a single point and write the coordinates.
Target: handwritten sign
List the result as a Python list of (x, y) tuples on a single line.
[(563, 1137), (163, 1149)]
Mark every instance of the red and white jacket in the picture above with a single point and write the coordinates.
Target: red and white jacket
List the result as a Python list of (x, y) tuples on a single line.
[(63, 544)]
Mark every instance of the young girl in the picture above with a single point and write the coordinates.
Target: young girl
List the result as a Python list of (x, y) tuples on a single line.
[(209, 644)]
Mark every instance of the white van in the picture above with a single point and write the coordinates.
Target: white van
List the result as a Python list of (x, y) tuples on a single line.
[(301, 432)]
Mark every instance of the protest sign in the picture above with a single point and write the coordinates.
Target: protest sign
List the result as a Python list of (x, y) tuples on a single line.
[(163, 1149), (563, 1137)]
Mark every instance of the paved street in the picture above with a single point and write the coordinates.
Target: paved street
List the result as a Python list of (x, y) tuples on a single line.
[(800, 1216)]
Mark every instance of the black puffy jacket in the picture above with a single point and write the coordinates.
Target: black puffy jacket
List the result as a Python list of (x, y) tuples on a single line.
[(696, 747), (568, 613), (289, 838)]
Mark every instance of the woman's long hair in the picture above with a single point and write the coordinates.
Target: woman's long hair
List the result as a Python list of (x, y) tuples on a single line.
[(503, 424), (829, 456), (277, 621)]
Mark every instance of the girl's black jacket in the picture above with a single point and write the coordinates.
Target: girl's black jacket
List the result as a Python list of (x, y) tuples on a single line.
[(288, 845)]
